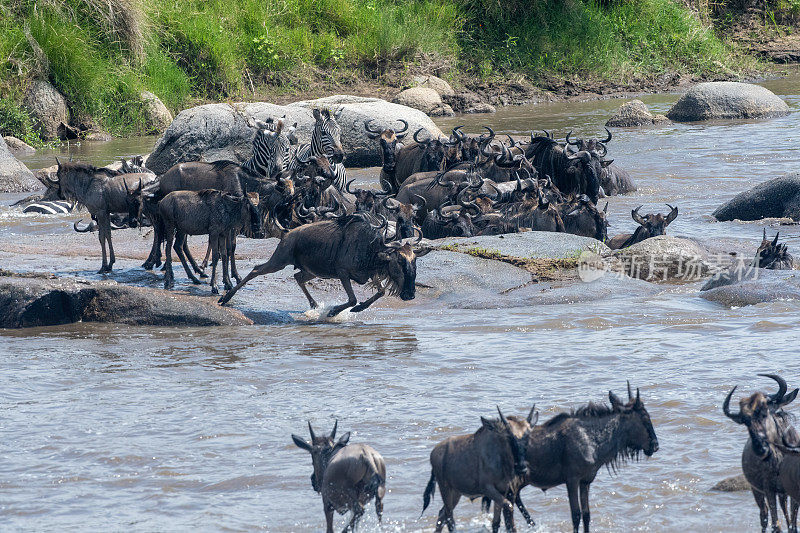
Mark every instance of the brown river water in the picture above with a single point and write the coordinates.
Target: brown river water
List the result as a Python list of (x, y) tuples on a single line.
[(109, 428)]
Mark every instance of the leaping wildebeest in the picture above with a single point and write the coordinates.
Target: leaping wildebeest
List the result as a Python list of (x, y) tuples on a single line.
[(572, 447), (766, 423), (347, 476), (484, 463), (348, 248), (103, 192)]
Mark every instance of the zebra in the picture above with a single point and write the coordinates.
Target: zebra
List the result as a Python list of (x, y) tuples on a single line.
[(270, 149), (49, 208), (326, 140)]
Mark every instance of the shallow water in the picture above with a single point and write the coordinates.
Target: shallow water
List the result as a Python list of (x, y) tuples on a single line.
[(109, 428)]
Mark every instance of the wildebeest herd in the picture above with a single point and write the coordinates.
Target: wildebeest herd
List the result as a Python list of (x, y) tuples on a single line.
[(430, 187)]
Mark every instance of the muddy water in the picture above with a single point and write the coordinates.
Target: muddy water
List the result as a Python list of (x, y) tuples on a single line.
[(112, 428)]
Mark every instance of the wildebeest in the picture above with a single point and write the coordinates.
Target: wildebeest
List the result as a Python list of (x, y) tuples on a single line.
[(572, 447), (484, 463), (773, 255), (390, 146), (403, 216), (449, 221), (581, 217), (789, 473), (651, 225), (577, 173), (423, 155), (208, 212), (347, 248), (103, 192), (347, 476), (766, 423)]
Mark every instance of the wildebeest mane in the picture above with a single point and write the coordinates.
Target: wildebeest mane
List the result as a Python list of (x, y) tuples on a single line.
[(222, 164), (590, 410)]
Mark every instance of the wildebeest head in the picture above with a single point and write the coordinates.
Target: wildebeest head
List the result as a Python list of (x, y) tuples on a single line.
[(400, 261), (245, 207), (654, 224), (591, 145), (389, 141), (321, 449), (365, 199), (73, 178), (405, 214), (327, 135), (642, 436), (133, 199), (585, 170), (433, 152), (762, 415), (515, 440), (773, 255), (584, 213)]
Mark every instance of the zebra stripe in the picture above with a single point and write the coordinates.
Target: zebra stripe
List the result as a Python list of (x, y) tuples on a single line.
[(49, 208), (270, 150), (327, 135)]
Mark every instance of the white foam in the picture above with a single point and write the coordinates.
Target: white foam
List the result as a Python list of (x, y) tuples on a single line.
[(320, 315)]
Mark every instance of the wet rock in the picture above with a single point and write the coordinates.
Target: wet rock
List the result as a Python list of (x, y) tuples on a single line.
[(753, 286), (659, 119), (732, 484), (18, 147), (664, 258), (461, 101), (220, 131), (47, 107), (33, 302), (432, 82), (528, 244), (157, 115), (442, 110), (15, 176), (480, 107), (632, 114), (776, 198), (727, 100), (423, 98), (98, 136)]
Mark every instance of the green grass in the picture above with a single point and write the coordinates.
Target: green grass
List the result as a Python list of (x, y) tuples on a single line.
[(196, 50)]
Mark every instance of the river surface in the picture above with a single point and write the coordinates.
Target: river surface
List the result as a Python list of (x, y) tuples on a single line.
[(109, 428)]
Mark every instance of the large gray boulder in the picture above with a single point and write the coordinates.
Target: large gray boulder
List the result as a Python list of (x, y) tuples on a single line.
[(753, 286), (425, 99), (14, 176), (776, 198), (47, 107), (432, 82), (18, 147), (727, 100), (33, 302), (664, 258), (213, 132), (632, 114)]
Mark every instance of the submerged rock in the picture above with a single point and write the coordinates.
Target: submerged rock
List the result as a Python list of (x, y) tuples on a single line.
[(33, 302), (220, 131), (776, 198), (664, 258), (727, 100), (14, 175), (733, 484), (632, 114), (753, 286)]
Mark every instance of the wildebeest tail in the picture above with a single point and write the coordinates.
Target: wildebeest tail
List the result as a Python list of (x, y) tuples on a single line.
[(429, 490), (373, 485)]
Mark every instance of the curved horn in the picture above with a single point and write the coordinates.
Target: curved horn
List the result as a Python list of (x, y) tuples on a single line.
[(673, 214), (630, 393), (372, 134), (605, 150), (782, 387), (736, 417), (530, 415), (572, 143), (348, 189), (394, 209), (511, 141), (502, 418), (775, 240), (637, 217), (424, 202), (87, 229), (607, 139), (335, 426), (401, 133), (490, 138), (311, 430), (416, 139), (458, 134)]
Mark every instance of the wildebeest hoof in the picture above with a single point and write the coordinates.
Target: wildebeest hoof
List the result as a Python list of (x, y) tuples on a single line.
[(168, 285), (215, 290), (203, 275), (359, 307), (147, 266)]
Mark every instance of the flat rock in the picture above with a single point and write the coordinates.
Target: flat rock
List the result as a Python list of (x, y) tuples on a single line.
[(528, 244), (776, 198), (727, 100), (18, 147), (213, 132), (732, 484), (33, 302), (664, 258), (757, 286), (14, 175)]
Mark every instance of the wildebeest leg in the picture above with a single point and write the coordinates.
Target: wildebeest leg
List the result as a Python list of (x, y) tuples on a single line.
[(276, 262), (366, 303), (794, 505), (782, 501), (501, 505), (169, 276), (224, 250), (232, 257), (574, 504), (103, 233), (379, 506), (208, 253), (585, 505), (763, 510), (328, 517), (523, 510), (358, 510), (302, 277), (773, 511), (154, 259), (180, 241), (351, 296), (191, 260), (214, 260), (450, 499)]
